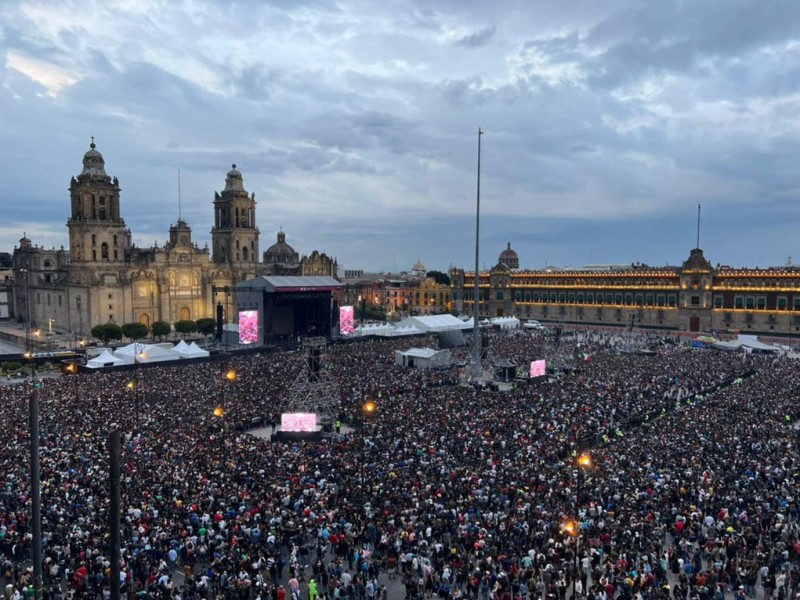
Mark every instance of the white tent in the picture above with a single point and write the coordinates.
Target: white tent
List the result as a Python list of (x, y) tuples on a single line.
[(145, 353), (746, 345), (194, 351), (407, 330), (422, 358), (506, 322), (104, 359), (180, 347), (434, 323), (373, 329)]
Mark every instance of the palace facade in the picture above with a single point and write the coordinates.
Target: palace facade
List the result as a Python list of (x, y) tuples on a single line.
[(694, 297), (103, 277)]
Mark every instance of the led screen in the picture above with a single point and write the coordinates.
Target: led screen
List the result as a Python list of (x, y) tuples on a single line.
[(248, 327), (298, 422), (538, 368), (346, 323)]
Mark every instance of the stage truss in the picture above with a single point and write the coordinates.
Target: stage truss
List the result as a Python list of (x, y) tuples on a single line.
[(313, 390)]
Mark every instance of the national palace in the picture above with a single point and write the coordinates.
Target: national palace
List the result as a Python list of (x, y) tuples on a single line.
[(693, 297)]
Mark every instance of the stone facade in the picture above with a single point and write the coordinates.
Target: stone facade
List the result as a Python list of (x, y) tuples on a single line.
[(694, 297), (105, 278)]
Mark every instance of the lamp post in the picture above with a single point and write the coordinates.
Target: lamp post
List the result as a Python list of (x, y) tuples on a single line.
[(72, 368), (583, 462), (368, 411), (219, 410)]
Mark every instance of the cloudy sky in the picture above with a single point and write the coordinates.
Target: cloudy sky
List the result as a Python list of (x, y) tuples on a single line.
[(355, 123)]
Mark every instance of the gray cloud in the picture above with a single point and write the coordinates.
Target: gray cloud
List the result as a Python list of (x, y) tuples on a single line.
[(355, 124), (477, 38)]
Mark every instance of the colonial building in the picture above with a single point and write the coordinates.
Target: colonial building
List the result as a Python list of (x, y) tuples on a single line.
[(693, 297), (105, 278)]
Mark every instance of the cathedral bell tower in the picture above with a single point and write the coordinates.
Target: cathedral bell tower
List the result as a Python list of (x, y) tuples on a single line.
[(97, 233), (234, 237)]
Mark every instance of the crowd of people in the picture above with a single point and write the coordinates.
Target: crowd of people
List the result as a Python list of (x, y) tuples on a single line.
[(448, 490)]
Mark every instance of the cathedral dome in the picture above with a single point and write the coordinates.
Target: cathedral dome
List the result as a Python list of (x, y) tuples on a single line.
[(93, 163), (234, 181), (509, 258), (419, 267), (281, 252)]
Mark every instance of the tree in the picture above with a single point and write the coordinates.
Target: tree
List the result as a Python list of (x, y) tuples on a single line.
[(374, 312), (184, 327), (206, 326), (135, 331), (439, 277), (161, 328), (106, 332)]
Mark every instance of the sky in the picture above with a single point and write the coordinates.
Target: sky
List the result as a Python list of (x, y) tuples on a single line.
[(355, 123)]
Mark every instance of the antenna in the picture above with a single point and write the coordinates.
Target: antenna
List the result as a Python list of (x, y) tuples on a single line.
[(698, 226), (179, 194)]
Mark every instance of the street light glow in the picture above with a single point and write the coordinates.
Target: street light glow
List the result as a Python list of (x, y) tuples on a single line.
[(230, 375), (369, 407), (219, 411), (585, 461)]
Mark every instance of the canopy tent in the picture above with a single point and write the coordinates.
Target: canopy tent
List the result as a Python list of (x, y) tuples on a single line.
[(506, 322), (398, 331), (145, 353), (434, 323), (422, 358), (383, 329), (191, 351), (104, 359), (504, 369), (180, 347), (746, 345)]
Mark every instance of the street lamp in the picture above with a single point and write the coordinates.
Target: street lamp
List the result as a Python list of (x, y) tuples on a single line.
[(72, 368), (368, 412), (584, 462)]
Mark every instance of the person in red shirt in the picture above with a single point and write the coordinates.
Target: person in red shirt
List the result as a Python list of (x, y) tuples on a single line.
[(281, 593)]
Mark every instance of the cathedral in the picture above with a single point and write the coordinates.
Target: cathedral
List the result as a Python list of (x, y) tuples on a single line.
[(105, 278)]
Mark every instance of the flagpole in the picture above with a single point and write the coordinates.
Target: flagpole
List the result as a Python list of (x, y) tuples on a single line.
[(477, 369)]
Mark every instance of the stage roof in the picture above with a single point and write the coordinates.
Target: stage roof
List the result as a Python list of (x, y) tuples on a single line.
[(277, 283)]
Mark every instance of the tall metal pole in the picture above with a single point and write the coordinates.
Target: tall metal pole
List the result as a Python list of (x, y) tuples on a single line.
[(114, 449), (477, 369), (36, 500)]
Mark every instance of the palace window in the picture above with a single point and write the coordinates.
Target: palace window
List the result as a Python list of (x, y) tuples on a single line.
[(782, 303), (749, 302), (590, 298), (571, 298), (797, 302), (562, 297), (517, 296), (535, 296), (639, 299), (695, 300), (738, 302), (648, 300), (580, 298), (672, 300), (628, 299), (718, 301), (609, 298), (660, 299), (761, 302), (553, 297)]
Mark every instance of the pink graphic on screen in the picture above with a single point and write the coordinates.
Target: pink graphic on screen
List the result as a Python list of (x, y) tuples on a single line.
[(298, 422), (538, 368), (346, 322), (248, 327)]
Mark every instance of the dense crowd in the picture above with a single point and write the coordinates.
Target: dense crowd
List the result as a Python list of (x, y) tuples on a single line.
[(449, 490)]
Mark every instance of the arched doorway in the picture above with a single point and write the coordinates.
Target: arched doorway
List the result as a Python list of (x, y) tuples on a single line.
[(186, 314), (144, 319)]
